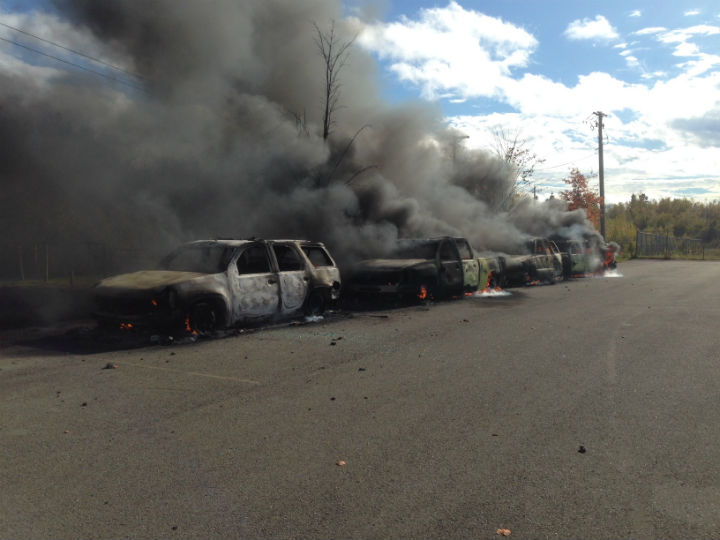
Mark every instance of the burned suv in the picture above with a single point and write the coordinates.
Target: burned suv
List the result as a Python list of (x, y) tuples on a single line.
[(212, 284)]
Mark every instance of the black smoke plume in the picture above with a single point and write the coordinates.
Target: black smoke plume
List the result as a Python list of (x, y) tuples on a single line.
[(217, 133)]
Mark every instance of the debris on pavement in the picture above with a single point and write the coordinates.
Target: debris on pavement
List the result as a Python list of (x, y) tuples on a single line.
[(110, 365), (504, 532), (341, 463)]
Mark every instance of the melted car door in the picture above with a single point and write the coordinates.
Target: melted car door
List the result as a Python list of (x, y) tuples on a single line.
[(255, 286), (293, 277), (471, 267), (451, 270)]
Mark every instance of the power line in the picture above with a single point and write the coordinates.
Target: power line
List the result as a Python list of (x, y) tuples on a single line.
[(101, 74), (567, 163), (98, 60)]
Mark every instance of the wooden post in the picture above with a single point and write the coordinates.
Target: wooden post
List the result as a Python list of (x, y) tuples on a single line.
[(637, 243)]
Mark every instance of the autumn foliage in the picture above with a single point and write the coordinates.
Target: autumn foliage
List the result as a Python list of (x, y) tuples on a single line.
[(581, 196)]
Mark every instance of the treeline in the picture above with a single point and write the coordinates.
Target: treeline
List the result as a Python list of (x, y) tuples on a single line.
[(677, 217)]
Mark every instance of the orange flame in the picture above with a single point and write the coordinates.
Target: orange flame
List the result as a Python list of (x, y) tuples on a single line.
[(154, 302), (609, 257), (488, 288), (188, 328), (126, 326), (423, 294)]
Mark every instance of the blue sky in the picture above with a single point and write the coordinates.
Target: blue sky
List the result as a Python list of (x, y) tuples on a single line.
[(541, 68)]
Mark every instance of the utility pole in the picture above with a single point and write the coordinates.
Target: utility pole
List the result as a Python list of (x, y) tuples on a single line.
[(600, 116)]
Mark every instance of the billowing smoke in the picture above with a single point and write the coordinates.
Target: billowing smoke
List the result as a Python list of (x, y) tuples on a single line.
[(219, 134)]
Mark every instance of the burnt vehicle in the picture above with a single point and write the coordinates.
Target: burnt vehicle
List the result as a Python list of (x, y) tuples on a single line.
[(589, 256), (542, 262), (211, 284), (418, 269), (585, 257)]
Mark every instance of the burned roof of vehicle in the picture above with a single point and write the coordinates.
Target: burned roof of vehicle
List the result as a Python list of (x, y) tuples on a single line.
[(232, 242)]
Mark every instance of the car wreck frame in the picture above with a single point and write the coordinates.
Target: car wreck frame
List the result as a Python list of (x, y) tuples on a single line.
[(211, 284), (419, 269)]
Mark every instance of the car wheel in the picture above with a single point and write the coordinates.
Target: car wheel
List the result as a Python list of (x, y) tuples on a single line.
[(315, 304), (203, 319)]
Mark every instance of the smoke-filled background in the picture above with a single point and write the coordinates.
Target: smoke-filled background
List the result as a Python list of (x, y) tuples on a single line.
[(218, 132)]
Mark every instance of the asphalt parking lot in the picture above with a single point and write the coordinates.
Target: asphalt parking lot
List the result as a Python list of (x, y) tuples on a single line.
[(584, 409)]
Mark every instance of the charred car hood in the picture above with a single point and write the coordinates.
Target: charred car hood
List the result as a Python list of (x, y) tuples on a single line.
[(147, 279), (375, 265)]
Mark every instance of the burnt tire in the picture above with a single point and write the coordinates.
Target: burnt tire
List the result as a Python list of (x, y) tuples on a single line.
[(315, 304), (204, 318)]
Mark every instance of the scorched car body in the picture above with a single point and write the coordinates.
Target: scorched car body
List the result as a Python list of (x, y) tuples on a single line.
[(418, 268), (542, 261), (210, 284)]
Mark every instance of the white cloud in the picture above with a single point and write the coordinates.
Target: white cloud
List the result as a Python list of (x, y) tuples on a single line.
[(632, 61), (683, 34), (692, 12), (681, 37), (650, 30), (598, 29), (451, 48), (655, 75), (552, 117), (686, 49), (463, 54), (636, 13)]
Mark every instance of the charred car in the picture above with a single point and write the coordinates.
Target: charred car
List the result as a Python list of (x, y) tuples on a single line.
[(589, 256), (585, 256), (211, 284), (418, 269), (542, 262)]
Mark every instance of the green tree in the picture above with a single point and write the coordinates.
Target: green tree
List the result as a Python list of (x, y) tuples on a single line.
[(639, 211)]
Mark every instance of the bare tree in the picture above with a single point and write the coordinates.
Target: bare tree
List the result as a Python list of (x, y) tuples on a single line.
[(513, 150), (335, 54)]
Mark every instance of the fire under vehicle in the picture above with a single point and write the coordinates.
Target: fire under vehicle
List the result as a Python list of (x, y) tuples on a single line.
[(212, 284), (421, 268)]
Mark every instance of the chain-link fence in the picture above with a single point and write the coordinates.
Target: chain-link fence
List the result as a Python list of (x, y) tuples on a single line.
[(68, 261), (664, 245)]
